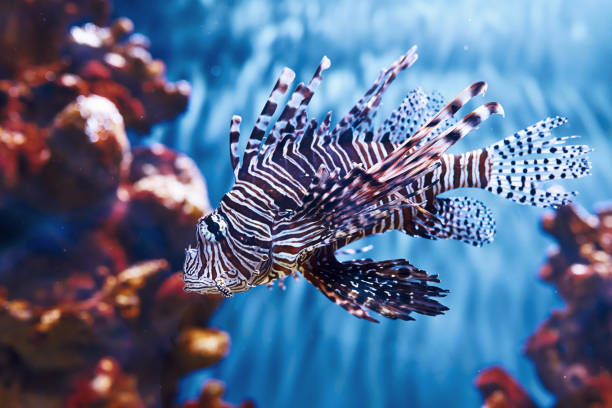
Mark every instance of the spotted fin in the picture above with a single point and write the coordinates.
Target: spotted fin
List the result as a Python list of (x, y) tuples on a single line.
[(523, 162), (393, 289), (415, 110), (464, 219)]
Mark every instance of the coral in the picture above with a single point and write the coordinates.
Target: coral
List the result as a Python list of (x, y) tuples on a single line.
[(130, 316), (500, 390), (92, 232), (211, 397), (32, 32), (571, 349), (43, 67), (165, 196), (125, 73), (38, 127), (87, 152), (107, 386)]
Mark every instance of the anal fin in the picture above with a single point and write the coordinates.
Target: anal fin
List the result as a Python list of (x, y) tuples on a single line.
[(464, 219), (461, 218)]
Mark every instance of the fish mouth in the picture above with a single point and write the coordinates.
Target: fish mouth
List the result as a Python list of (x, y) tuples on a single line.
[(199, 287), (217, 287)]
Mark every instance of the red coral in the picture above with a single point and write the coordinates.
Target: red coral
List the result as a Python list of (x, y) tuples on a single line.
[(108, 386), (571, 349), (125, 73), (37, 83), (92, 311), (32, 31), (165, 196), (500, 390), (22, 153), (88, 154), (211, 397)]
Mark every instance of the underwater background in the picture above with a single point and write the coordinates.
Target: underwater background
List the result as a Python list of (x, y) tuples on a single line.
[(112, 111), (294, 347)]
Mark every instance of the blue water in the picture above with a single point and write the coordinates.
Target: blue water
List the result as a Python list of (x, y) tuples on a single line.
[(294, 347)]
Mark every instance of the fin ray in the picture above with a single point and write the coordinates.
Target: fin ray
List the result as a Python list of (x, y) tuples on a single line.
[(234, 140), (263, 121), (463, 219), (523, 162), (394, 289)]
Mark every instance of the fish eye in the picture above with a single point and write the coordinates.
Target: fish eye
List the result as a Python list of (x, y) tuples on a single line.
[(212, 227)]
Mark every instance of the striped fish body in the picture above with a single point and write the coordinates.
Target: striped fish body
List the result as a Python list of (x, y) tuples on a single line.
[(304, 190)]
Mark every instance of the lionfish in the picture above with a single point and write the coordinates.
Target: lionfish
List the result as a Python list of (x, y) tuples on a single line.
[(304, 190)]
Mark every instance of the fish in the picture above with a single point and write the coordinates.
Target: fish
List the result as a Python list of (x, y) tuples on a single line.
[(303, 190)]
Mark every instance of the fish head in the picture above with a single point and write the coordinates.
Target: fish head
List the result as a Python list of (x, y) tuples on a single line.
[(210, 267)]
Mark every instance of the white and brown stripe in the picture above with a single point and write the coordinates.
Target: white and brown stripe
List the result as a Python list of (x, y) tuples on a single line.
[(306, 190)]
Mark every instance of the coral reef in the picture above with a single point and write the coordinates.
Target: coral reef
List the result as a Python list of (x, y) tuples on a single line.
[(500, 390), (124, 72), (32, 32), (162, 185), (211, 397), (110, 61), (571, 349), (92, 312)]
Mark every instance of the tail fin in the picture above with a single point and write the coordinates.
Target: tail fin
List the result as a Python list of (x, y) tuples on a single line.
[(521, 163)]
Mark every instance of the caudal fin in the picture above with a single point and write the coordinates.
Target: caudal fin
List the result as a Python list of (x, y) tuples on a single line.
[(521, 164)]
